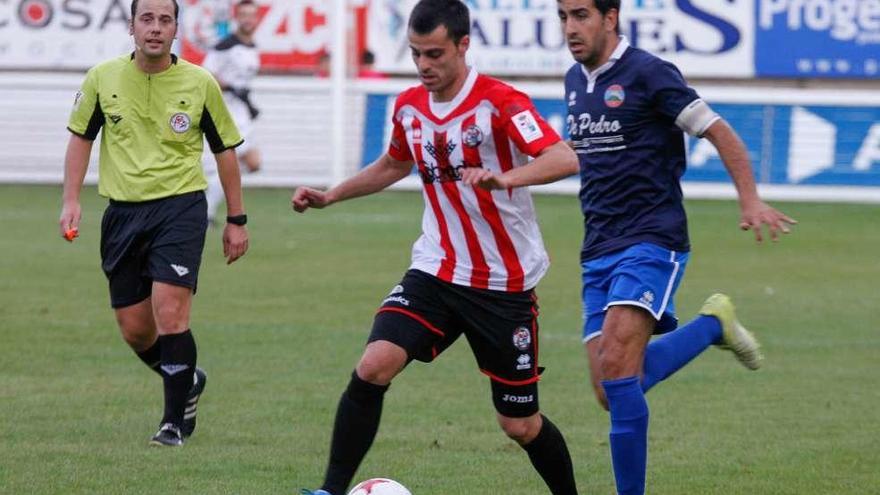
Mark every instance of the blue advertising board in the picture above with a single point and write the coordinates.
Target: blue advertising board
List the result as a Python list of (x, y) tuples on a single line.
[(820, 38), (788, 144)]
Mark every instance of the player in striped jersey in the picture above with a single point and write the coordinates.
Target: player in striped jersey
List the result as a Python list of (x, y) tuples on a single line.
[(480, 254)]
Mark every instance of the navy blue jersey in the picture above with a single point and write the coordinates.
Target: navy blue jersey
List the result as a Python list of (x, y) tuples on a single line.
[(631, 153)]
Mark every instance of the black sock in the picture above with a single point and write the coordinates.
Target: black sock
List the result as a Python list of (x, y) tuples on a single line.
[(549, 454), (357, 421), (178, 365), (152, 357)]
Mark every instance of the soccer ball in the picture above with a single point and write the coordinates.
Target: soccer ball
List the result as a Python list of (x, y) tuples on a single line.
[(379, 486)]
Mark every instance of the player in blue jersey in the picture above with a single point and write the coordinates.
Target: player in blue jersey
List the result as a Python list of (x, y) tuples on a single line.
[(627, 111)]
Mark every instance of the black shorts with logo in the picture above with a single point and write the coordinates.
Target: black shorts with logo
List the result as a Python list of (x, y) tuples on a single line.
[(152, 241), (425, 315)]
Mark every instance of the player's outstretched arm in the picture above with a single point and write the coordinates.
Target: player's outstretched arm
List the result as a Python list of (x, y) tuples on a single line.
[(755, 214), (554, 162), (235, 237), (76, 163), (375, 177)]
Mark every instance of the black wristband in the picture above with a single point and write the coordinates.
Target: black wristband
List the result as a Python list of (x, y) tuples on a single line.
[(237, 219)]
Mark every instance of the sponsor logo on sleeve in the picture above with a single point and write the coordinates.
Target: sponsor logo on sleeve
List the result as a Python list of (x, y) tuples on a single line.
[(77, 100), (527, 126)]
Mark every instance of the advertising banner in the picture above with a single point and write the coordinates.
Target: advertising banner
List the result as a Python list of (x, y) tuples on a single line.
[(507, 37), (788, 144), (56, 34), (794, 144), (77, 34), (819, 38), (704, 37), (291, 35)]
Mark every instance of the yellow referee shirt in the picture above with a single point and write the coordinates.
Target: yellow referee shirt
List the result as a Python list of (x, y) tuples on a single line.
[(152, 127)]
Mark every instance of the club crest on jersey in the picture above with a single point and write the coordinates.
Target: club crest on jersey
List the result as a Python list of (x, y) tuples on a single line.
[(572, 98), (522, 338), (180, 122), (472, 136), (614, 95)]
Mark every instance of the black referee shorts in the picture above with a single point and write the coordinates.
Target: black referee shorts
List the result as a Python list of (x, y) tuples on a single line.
[(425, 315), (152, 241)]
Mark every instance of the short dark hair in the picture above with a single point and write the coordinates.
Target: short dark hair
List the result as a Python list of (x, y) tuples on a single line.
[(134, 7), (603, 6), (242, 3), (454, 15)]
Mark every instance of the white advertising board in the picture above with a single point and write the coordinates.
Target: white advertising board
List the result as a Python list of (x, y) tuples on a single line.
[(524, 37), (62, 34)]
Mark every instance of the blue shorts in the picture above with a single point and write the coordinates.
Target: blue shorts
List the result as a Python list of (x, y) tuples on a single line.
[(643, 275)]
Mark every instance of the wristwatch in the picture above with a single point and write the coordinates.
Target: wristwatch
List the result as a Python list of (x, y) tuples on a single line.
[(237, 219)]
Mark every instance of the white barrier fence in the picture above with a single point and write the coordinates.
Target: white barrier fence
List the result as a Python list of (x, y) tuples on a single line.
[(824, 147), (293, 131)]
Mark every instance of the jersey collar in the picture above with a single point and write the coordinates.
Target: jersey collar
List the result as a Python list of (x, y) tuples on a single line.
[(442, 110), (173, 58), (622, 46), (241, 41)]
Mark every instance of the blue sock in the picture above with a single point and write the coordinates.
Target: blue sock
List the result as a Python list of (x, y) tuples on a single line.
[(629, 433), (669, 353)]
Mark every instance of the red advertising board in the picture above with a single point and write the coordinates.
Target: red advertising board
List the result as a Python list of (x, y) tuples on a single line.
[(291, 35)]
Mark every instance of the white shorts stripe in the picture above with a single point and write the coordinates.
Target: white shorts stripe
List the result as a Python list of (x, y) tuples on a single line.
[(669, 284)]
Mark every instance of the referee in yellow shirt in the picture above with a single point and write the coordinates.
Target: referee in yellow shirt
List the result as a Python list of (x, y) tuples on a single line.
[(154, 112)]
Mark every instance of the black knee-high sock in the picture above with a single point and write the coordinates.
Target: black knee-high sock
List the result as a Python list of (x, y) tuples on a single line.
[(357, 421), (152, 357), (178, 365), (549, 454)]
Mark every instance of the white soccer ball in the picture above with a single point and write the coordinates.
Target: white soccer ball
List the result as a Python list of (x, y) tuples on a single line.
[(379, 486)]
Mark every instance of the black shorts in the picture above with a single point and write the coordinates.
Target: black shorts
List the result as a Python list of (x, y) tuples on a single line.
[(425, 315), (159, 240)]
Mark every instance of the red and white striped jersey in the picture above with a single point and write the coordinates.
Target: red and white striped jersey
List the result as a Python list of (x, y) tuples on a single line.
[(470, 236)]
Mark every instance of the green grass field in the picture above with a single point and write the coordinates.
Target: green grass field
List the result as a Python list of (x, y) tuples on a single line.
[(280, 331)]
